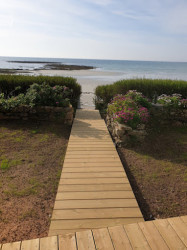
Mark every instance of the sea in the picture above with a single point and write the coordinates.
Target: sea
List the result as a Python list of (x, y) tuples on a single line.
[(104, 72)]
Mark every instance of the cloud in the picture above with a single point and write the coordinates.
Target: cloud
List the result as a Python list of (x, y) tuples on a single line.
[(100, 2), (133, 15)]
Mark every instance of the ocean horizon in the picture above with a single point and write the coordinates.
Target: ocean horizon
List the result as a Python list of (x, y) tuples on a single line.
[(126, 68)]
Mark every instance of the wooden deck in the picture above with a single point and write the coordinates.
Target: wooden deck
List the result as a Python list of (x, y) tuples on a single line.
[(158, 234), (94, 191)]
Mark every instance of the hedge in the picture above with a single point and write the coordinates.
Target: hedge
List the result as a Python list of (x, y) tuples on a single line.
[(151, 88), (8, 83)]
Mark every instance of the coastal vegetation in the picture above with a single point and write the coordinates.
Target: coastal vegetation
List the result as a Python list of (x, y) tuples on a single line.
[(130, 109), (13, 85), (151, 88), (39, 95)]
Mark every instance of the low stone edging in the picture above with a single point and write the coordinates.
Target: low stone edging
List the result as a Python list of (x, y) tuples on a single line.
[(122, 133), (44, 113)]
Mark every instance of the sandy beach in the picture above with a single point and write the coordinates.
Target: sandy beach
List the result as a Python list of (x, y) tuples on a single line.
[(88, 79)]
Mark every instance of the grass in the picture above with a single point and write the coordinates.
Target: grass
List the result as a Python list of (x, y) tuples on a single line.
[(31, 158), (157, 171)]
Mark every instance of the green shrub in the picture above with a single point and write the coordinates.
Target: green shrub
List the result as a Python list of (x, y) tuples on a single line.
[(128, 109), (150, 88), (39, 95), (13, 85)]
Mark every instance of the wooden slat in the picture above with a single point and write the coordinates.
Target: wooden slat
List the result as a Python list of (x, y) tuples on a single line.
[(99, 213), (110, 155), (30, 244), (95, 195), (180, 228), (49, 243), (91, 181), (152, 235), (169, 234), (136, 237), (92, 169), (119, 238), (81, 153), (90, 223), (184, 219), (85, 240), (67, 242), (95, 203), (102, 239), (94, 187), (92, 164), (93, 159), (92, 175), (12, 246)]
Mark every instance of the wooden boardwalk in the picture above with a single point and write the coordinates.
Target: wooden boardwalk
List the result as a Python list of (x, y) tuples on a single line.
[(94, 191), (158, 234)]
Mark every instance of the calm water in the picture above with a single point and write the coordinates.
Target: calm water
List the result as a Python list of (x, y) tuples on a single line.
[(127, 69), (105, 72)]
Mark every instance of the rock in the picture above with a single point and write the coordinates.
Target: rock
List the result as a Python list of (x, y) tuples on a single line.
[(138, 133), (123, 127), (141, 126), (119, 132)]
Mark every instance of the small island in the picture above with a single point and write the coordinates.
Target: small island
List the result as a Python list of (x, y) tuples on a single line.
[(46, 66)]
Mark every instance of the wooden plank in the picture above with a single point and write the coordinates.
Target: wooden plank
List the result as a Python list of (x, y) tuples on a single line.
[(99, 213), (90, 223), (92, 164), (180, 228), (169, 234), (66, 204), (119, 238), (67, 242), (95, 195), (90, 148), (152, 235), (49, 243), (136, 237), (85, 240), (102, 239), (93, 169), (94, 187), (93, 175), (184, 219), (94, 181), (30, 244), (78, 153), (88, 138), (93, 159), (12, 246), (109, 156)]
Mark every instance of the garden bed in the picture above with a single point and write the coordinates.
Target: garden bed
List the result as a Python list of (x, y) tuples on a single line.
[(157, 170), (31, 158)]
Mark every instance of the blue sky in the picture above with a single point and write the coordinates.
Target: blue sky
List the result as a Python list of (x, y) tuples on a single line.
[(100, 29)]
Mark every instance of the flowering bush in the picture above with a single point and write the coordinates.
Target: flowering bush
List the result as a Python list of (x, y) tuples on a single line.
[(39, 95), (172, 101), (130, 109)]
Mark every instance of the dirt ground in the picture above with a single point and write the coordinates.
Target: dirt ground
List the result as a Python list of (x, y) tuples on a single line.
[(31, 158), (157, 170)]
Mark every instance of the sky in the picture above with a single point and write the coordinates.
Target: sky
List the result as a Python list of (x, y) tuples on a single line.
[(153, 30)]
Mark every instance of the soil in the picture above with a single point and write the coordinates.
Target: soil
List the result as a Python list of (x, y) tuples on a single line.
[(31, 158), (157, 170)]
